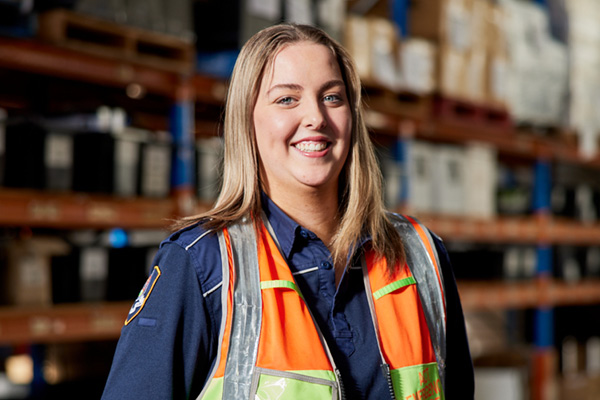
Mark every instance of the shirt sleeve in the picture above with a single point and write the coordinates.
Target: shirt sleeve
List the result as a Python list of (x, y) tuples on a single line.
[(460, 379), (165, 350)]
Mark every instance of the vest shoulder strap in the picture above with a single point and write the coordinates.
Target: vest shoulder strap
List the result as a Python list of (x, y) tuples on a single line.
[(422, 259)]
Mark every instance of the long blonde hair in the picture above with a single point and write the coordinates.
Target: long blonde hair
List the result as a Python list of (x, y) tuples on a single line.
[(361, 206)]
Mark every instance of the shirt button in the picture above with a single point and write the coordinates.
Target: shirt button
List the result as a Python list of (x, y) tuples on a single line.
[(326, 265), (304, 234)]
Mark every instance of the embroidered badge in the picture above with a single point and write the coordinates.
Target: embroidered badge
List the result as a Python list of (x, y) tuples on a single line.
[(144, 294)]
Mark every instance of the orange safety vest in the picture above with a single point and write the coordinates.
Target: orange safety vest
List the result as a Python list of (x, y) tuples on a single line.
[(267, 327)]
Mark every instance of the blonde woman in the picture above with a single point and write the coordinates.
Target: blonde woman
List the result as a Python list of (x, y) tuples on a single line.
[(297, 283)]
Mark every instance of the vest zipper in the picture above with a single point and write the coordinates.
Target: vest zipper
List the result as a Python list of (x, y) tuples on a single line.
[(388, 377), (342, 395)]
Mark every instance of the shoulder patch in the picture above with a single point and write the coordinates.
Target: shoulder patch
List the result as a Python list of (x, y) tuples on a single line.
[(144, 294)]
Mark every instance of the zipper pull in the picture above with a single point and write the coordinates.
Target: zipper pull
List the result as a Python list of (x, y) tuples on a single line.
[(388, 377)]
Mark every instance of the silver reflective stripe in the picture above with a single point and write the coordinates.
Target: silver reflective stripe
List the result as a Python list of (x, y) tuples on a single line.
[(246, 313), (224, 293), (430, 292), (291, 375)]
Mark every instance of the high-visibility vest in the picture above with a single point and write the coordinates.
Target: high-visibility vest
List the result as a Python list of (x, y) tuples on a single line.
[(270, 347)]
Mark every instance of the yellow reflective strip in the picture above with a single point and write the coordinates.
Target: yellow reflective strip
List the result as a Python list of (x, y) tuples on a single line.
[(394, 286), (214, 391), (281, 284)]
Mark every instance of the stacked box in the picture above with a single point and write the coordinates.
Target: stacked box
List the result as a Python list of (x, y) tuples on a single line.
[(537, 66), (584, 79), (480, 180), (382, 59), (26, 279), (460, 30)]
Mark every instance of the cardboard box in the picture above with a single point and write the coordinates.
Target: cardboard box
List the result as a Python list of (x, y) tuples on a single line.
[(447, 22), (418, 66), (373, 43), (27, 280)]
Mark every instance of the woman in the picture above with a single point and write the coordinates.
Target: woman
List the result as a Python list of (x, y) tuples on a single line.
[(297, 284)]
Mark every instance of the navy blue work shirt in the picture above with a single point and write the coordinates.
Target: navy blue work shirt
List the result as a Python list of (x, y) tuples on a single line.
[(168, 348)]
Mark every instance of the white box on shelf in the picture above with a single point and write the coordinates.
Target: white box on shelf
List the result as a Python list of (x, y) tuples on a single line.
[(480, 180), (448, 180), (420, 176)]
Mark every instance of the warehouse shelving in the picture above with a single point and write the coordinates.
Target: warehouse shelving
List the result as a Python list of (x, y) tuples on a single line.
[(91, 321)]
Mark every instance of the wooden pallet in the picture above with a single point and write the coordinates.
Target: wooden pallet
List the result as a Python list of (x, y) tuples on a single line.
[(108, 39), (461, 111)]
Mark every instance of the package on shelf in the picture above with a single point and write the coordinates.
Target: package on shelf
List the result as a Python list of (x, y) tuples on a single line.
[(574, 263), (331, 15), (481, 180), (126, 162), (448, 179), (580, 367), (156, 155), (584, 80), (446, 22), (98, 269), (417, 65), (499, 383), (575, 193), (93, 273), (461, 29), (58, 160), (537, 66), (27, 276), (208, 156), (373, 43), (519, 262), (420, 196), (382, 59), (497, 67)]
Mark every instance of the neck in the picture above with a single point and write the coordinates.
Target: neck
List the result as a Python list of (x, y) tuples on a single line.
[(316, 210)]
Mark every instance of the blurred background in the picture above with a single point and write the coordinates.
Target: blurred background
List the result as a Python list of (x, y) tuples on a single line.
[(486, 117)]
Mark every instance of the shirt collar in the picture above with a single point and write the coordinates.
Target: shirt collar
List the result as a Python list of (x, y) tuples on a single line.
[(284, 227)]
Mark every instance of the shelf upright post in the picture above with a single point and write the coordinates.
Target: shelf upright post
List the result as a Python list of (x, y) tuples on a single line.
[(183, 166), (543, 363), (399, 12)]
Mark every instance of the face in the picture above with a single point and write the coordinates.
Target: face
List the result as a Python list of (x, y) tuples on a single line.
[(302, 121)]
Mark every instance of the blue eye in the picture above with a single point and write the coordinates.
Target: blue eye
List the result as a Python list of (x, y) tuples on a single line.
[(332, 98), (285, 100)]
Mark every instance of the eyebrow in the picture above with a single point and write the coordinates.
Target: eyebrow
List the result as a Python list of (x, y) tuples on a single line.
[(326, 86)]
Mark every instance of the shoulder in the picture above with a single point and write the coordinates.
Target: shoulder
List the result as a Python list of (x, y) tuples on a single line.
[(197, 247)]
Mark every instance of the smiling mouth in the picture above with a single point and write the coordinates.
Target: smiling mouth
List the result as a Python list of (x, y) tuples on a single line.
[(309, 147)]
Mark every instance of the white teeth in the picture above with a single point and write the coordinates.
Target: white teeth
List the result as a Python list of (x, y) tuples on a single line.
[(311, 146)]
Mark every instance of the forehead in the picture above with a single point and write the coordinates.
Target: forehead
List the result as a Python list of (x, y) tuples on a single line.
[(299, 56)]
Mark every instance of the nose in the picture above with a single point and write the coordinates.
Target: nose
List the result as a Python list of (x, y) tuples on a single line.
[(314, 115)]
